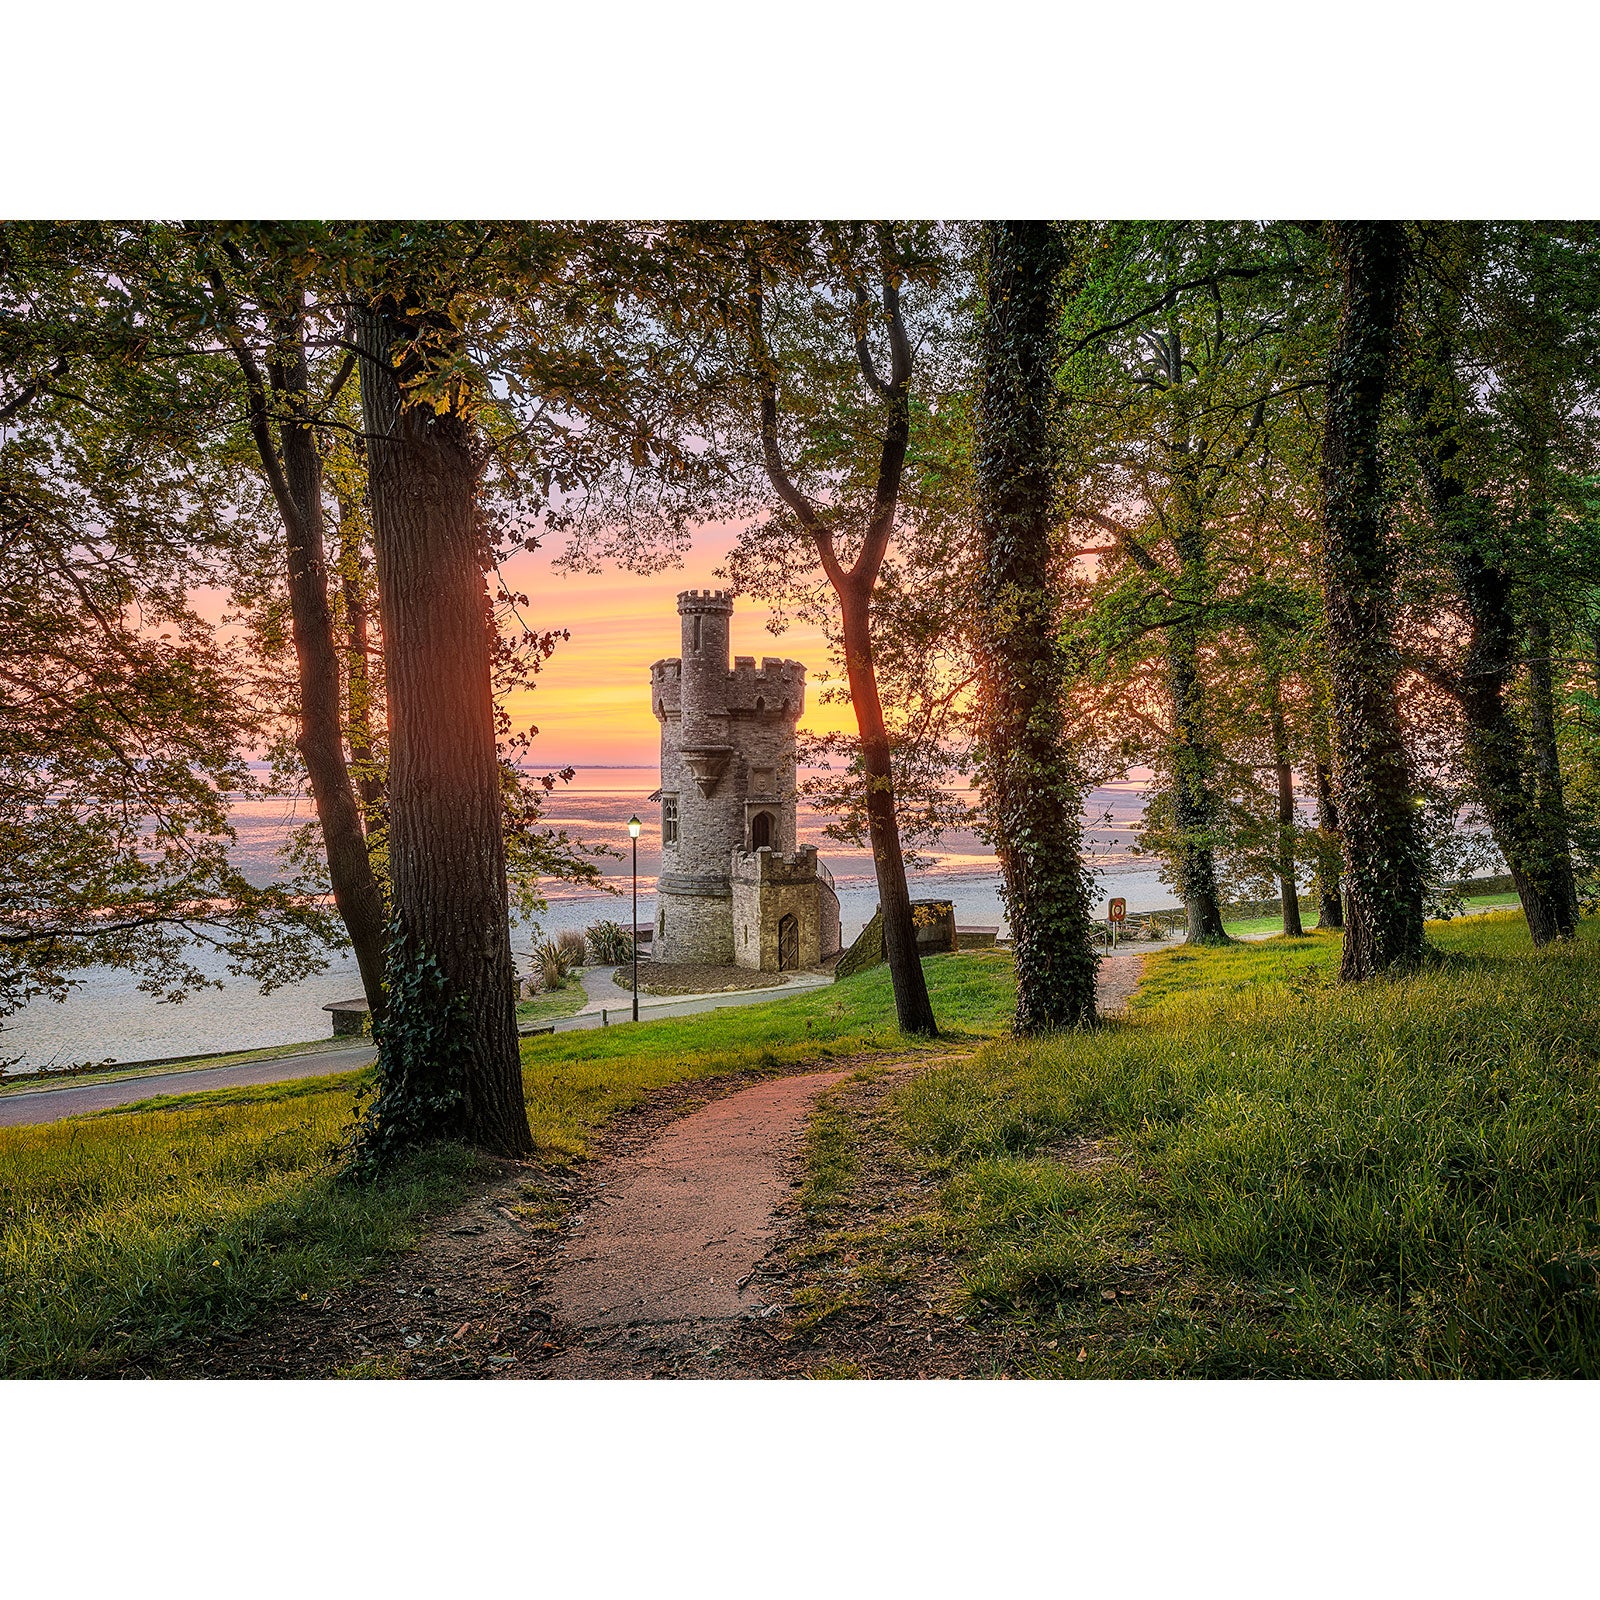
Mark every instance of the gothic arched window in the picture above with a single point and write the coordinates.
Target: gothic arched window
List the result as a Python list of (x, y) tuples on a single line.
[(761, 830)]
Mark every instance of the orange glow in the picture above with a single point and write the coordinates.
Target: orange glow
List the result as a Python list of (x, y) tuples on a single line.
[(592, 703)]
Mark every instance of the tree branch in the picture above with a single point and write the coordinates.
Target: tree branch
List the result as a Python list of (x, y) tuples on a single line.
[(771, 452)]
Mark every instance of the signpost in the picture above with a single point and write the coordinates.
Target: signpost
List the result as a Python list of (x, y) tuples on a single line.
[(1116, 915)]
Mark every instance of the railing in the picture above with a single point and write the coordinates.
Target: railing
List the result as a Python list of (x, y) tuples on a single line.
[(826, 875)]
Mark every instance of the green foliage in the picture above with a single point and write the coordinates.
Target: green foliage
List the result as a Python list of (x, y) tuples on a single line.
[(123, 714), (555, 963), (562, 1002), (422, 1060), (1265, 1173), (610, 944)]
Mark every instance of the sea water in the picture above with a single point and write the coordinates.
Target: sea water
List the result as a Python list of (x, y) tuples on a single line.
[(107, 1017)]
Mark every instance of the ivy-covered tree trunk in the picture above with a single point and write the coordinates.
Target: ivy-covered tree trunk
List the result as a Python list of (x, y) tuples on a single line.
[(1193, 803), (1554, 832), (1288, 888), (1193, 754), (1032, 785), (1494, 745), (1377, 813), (449, 1063)]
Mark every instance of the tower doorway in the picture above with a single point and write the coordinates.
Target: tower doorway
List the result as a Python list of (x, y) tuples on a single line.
[(788, 944), (761, 831)]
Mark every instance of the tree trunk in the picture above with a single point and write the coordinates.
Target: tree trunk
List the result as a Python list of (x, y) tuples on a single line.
[(446, 844), (1494, 745), (1034, 791), (321, 738), (1330, 887), (1554, 833), (1383, 863), (1193, 805), (1288, 888), (358, 671), (913, 1008), (1193, 758)]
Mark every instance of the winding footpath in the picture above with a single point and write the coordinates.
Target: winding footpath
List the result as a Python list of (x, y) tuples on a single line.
[(660, 1265)]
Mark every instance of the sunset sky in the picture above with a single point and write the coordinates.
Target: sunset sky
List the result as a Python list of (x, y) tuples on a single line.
[(592, 703)]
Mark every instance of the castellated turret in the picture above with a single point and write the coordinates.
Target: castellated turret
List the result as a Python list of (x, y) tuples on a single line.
[(728, 781)]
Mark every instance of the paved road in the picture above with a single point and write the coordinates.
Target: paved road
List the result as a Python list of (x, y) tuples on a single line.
[(51, 1105)]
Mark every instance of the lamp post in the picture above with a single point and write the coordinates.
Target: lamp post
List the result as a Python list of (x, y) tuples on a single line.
[(633, 932)]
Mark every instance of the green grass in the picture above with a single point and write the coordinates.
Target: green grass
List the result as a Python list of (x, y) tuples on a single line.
[(1274, 924), (125, 1234), (129, 1232), (575, 1081), (571, 997), (1263, 1172)]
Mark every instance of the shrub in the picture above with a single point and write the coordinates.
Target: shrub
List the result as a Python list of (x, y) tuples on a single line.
[(554, 966), (609, 943), (574, 947)]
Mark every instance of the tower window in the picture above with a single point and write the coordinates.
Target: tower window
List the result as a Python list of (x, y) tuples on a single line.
[(761, 830), (697, 633), (669, 819)]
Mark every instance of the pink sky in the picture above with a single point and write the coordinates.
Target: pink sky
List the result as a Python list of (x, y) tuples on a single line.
[(592, 703)]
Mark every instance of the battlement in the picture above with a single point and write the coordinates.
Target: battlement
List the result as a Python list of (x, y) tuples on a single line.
[(776, 688), (716, 601), (771, 866)]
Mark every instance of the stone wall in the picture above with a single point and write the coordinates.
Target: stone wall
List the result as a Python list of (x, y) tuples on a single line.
[(767, 887), (694, 928)]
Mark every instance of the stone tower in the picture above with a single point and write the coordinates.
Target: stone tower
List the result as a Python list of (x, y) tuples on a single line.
[(727, 781)]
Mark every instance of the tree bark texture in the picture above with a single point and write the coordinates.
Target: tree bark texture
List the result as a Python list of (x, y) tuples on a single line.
[(1383, 862), (358, 672), (854, 586), (1330, 886), (1193, 803), (914, 1010), (1034, 791), (1510, 787), (446, 843), (1288, 888), (1554, 831), (294, 471), (1193, 755)]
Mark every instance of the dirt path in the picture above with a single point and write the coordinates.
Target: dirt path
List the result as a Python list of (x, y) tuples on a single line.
[(660, 1258), (662, 1262), (1118, 978)]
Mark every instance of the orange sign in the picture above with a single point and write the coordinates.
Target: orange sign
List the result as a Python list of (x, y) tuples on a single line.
[(1118, 911)]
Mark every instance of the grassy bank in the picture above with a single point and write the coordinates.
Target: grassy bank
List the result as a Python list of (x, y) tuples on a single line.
[(575, 1081), (134, 1230), (1264, 1173), (571, 997), (124, 1233)]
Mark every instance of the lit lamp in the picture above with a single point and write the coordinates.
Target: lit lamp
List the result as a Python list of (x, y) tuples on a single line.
[(633, 833)]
